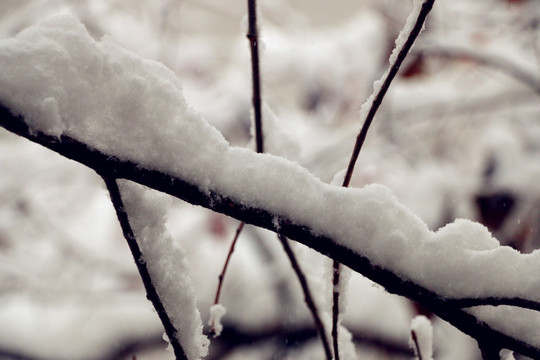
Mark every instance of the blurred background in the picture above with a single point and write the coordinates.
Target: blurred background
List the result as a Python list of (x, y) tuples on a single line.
[(458, 136)]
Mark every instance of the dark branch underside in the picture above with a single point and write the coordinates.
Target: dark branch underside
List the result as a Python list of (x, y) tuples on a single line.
[(108, 165)]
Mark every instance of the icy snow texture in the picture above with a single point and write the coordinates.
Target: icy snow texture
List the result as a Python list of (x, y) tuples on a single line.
[(64, 82), (423, 331), (217, 311), (166, 263)]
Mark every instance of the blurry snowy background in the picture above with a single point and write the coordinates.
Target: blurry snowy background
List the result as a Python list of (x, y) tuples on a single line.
[(457, 136)]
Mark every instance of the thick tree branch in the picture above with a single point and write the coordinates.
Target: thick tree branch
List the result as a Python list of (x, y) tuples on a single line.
[(223, 203)]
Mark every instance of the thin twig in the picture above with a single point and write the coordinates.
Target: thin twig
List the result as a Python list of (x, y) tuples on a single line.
[(360, 139), (336, 267), (225, 266), (253, 37), (307, 295), (416, 345), (151, 291)]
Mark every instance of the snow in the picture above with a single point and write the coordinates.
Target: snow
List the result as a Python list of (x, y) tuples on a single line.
[(507, 355), (511, 320), (423, 333), (217, 311), (278, 140), (79, 73), (65, 83), (404, 33), (166, 264)]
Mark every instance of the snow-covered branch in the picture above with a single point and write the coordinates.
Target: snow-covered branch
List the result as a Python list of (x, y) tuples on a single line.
[(126, 118), (445, 307)]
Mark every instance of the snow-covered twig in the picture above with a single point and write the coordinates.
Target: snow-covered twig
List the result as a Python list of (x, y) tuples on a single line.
[(151, 292), (416, 345), (396, 60), (413, 27), (260, 215), (308, 298)]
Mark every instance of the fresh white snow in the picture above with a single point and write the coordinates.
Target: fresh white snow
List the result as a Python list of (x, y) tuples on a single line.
[(217, 311)]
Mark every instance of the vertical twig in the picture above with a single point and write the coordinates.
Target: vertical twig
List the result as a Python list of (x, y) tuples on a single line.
[(336, 266), (416, 345), (360, 139), (307, 295), (253, 37), (151, 291), (231, 250)]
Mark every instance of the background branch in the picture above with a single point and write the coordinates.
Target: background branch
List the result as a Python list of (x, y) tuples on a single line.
[(496, 62)]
